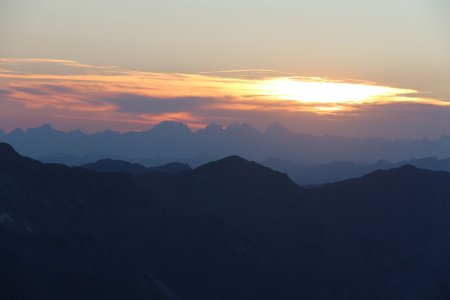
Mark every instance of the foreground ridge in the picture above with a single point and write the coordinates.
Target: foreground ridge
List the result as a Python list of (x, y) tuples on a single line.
[(228, 229)]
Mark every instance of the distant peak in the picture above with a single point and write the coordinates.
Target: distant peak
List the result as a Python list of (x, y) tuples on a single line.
[(242, 128), (428, 159), (43, 128), (214, 127), (233, 159), (229, 161), (114, 165), (76, 132), (276, 127), (407, 167), (171, 126), (17, 131), (276, 124), (249, 171), (403, 170), (109, 160), (109, 132)]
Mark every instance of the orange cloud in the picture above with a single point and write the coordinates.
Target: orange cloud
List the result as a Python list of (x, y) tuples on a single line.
[(75, 89)]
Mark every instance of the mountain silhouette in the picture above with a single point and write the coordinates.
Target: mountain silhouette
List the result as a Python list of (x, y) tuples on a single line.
[(72, 233), (234, 189), (311, 174), (8, 153), (229, 229), (388, 229), (174, 141), (112, 165), (168, 129), (11, 161)]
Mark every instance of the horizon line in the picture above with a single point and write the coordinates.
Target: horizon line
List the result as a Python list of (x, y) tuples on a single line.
[(222, 127)]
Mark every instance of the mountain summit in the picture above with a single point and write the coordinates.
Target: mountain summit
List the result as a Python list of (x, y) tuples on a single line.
[(276, 129), (170, 128)]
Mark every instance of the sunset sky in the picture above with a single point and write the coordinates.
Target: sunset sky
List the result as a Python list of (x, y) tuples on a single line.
[(350, 67)]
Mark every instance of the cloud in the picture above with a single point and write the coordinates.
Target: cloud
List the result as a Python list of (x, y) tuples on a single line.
[(4, 92), (64, 89), (131, 103)]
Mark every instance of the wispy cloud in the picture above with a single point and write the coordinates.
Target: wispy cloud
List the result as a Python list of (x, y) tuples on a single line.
[(69, 89)]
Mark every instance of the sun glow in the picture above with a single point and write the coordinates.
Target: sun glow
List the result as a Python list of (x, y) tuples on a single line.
[(327, 92), (75, 90)]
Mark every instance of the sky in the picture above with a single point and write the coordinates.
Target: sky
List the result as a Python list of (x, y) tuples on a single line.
[(350, 67)]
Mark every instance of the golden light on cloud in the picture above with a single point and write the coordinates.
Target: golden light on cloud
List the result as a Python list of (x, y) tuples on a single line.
[(328, 92), (122, 94)]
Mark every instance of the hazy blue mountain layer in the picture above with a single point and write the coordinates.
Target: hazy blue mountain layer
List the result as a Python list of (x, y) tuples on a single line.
[(172, 141)]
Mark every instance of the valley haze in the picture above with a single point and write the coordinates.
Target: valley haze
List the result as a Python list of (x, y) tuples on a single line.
[(307, 159)]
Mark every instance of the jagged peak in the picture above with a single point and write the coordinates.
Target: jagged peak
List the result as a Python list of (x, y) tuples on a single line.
[(44, 128), (17, 131), (76, 132), (242, 128), (214, 127), (108, 132), (171, 126)]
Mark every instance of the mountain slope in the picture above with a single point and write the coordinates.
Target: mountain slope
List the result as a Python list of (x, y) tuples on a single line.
[(230, 229), (381, 236), (339, 170), (384, 233), (70, 233)]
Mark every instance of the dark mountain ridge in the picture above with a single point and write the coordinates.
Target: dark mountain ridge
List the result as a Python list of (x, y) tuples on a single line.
[(113, 165), (230, 229), (304, 174), (388, 227), (71, 233)]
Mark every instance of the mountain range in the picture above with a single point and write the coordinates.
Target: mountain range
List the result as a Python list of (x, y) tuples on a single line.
[(173, 141), (302, 174), (311, 174), (229, 229), (111, 165)]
